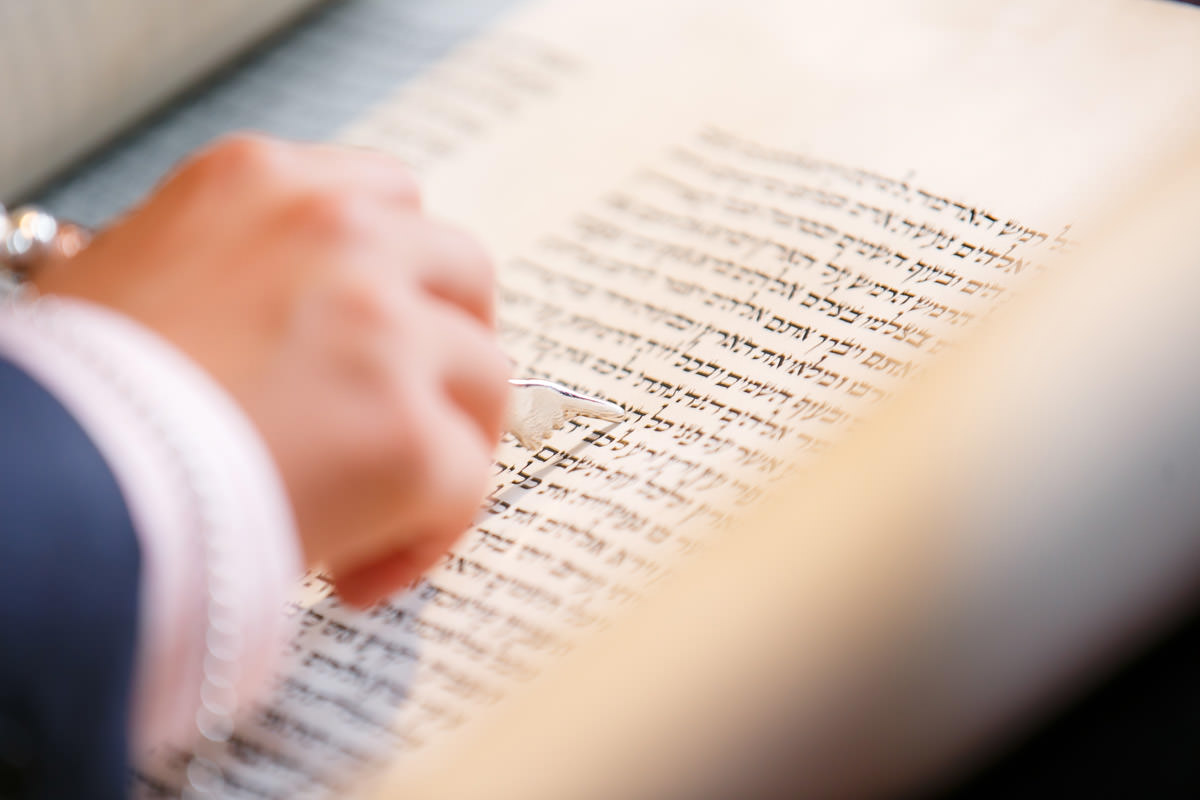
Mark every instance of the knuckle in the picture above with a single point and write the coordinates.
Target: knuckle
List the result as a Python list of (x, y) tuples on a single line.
[(438, 471), (462, 489), (239, 157), (481, 346), (480, 260), (495, 372), (332, 215), (417, 455), (401, 182), (402, 446), (499, 370), (464, 253), (357, 300), (450, 467), (405, 184)]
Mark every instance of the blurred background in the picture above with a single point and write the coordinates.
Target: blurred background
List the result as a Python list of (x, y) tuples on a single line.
[(304, 81)]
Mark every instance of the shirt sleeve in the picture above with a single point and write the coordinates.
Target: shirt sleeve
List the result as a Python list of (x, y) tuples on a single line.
[(69, 568), (196, 478)]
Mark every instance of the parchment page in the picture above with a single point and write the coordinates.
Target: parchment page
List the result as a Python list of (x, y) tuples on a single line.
[(983, 546), (747, 227)]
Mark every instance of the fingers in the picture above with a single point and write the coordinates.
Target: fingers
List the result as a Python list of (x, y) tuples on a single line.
[(348, 196), (448, 264), (428, 473), (433, 339), (450, 487), (351, 307), (452, 477), (375, 581), (449, 329), (387, 177), (451, 392), (474, 372), (400, 244), (370, 584)]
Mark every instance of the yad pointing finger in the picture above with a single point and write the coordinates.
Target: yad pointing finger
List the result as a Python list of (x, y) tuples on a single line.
[(538, 408)]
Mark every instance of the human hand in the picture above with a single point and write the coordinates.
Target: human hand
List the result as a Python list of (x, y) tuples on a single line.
[(354, 331)]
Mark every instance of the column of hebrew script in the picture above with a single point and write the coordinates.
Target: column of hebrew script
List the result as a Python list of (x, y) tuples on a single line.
[(482, 84), (745, 304), (291, 91)]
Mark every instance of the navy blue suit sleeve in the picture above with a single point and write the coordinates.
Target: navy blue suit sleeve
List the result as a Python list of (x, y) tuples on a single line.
[(69, 575)]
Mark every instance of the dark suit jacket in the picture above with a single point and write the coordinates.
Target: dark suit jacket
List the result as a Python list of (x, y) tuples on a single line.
[(69, 573)]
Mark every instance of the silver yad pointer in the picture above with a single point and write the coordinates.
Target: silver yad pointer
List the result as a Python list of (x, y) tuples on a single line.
[(538, 408)]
